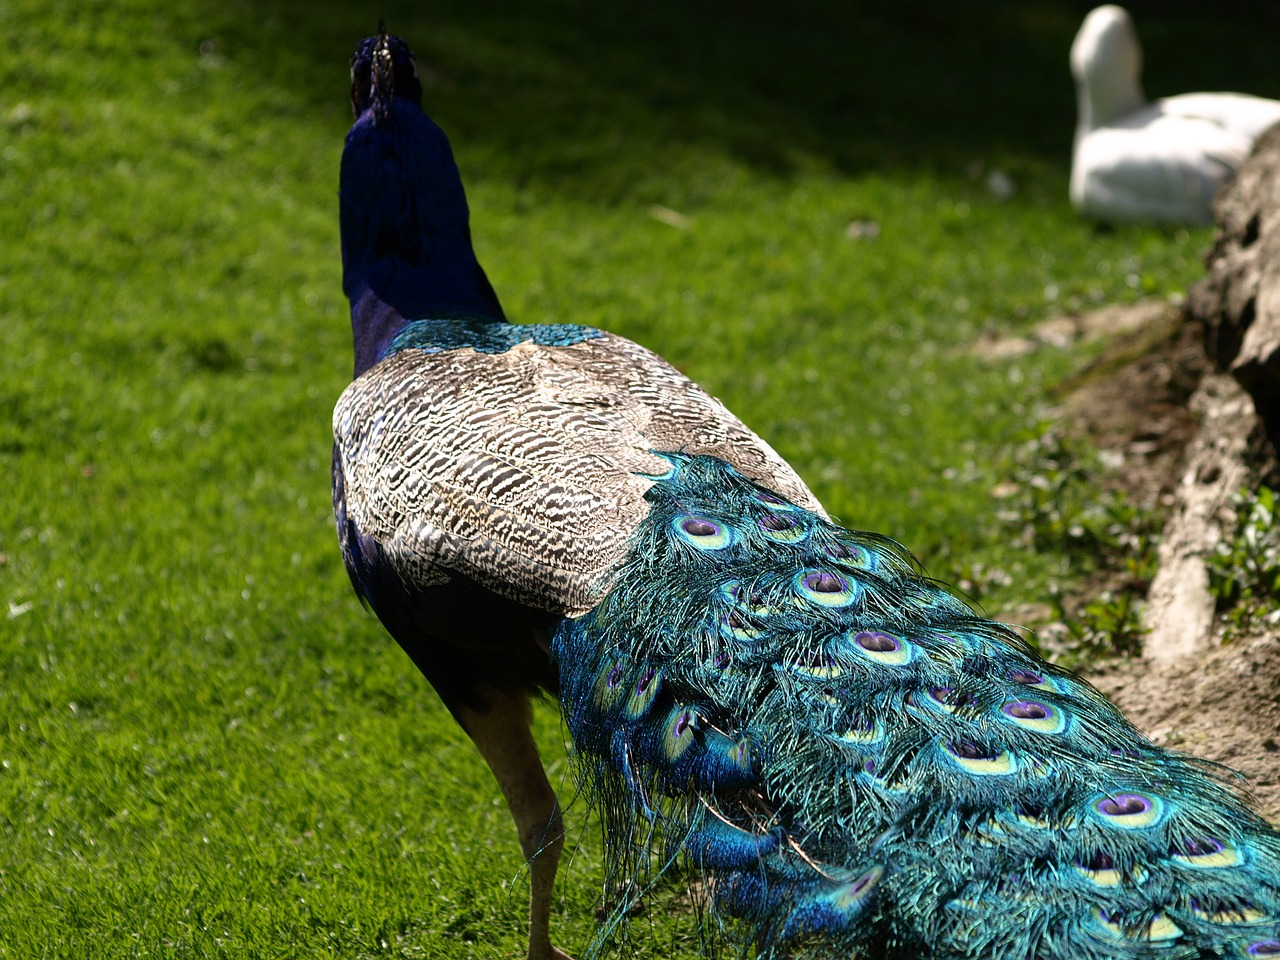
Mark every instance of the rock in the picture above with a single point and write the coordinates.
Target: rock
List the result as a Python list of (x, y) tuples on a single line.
[(1239, 301), (1239, 306), (1179, 606)]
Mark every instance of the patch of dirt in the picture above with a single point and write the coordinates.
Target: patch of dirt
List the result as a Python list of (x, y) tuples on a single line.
[(1223, 705), (1133, 401), (1222, 701)]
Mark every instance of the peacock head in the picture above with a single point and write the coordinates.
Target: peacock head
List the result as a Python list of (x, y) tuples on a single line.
[(382, 68)]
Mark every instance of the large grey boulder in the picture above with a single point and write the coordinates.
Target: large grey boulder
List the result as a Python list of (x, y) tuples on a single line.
[(1239, 301)]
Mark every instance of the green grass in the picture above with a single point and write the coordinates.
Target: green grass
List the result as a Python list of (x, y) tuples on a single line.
[(206, 747)]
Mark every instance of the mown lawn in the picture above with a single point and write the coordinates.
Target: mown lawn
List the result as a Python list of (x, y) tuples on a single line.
[(207, 748)]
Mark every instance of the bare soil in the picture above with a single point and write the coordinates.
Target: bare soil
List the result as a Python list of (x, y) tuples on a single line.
[(1221, 701)]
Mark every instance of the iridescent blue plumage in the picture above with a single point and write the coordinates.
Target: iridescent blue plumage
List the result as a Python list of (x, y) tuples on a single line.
[(402, 258), (910, 779), (860, 765), (442, 333)]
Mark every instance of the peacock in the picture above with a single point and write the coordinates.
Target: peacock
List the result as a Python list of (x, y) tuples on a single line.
[(856, 763)]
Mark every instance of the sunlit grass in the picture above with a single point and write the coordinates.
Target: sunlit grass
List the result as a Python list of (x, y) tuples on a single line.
[(206, 747)]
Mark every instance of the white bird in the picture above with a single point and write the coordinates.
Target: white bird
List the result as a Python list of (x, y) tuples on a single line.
[(1137, 160)]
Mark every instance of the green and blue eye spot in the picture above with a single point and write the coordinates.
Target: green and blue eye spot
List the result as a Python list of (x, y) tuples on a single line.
[(1129, 811), (677, 735), (979, 762), (611, 687), (1035, 715), (881, 647), (782, 527), (1100, 869), (826, 588), (851, 555), (702, 533), (1206, 853), (644, 692)]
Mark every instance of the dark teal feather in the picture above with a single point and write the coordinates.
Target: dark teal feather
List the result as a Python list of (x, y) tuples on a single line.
[(485, 336), (866, 768)]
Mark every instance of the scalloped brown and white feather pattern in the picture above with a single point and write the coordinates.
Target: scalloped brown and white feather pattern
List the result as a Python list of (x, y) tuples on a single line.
[(524, 470)]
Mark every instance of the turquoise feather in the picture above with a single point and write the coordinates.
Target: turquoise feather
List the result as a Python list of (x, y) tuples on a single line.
[(465, 330), (865, 768)]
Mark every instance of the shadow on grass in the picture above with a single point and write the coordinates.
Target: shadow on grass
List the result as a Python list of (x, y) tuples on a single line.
[(542, 93)]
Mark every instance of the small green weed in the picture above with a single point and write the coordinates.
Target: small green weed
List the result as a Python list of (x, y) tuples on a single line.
[(1244, 572), (1057, 501), (1108, 625), (1056, 505)]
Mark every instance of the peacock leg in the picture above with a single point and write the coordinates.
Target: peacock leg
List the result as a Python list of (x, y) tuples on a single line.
[(502, 735)]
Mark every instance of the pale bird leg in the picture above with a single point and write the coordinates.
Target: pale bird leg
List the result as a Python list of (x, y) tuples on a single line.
[(503, 737)]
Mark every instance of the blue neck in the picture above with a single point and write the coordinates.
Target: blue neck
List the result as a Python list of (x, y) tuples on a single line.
[(406, 239)]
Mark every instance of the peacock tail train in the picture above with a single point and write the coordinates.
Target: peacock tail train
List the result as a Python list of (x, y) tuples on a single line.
[(864, 768)]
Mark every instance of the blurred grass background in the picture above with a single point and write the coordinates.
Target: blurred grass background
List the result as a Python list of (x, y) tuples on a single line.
[(206, 747)]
